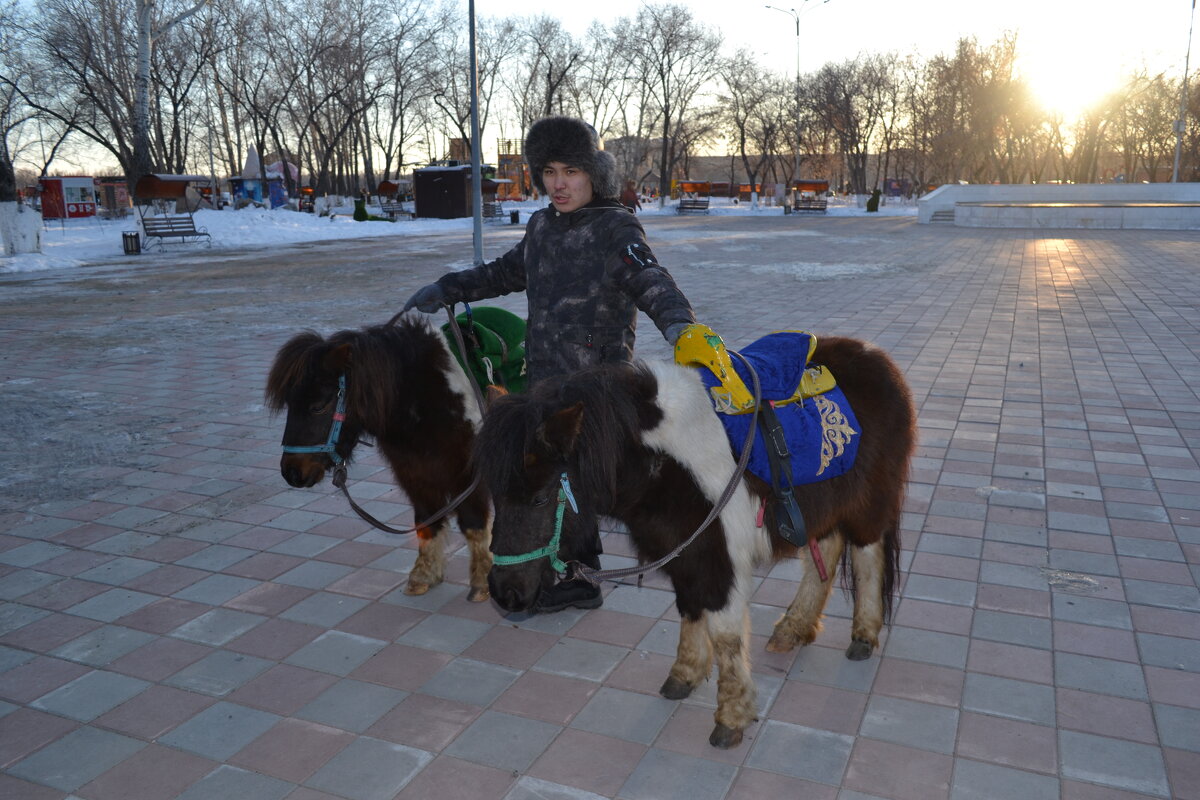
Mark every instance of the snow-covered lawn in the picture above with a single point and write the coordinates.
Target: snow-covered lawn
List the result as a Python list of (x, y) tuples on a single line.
[(75, 242)]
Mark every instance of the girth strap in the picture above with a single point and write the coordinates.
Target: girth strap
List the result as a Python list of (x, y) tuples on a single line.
[(788, 517)]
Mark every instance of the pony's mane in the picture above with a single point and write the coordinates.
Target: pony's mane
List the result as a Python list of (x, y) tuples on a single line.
[(618, 404), (382, 351)]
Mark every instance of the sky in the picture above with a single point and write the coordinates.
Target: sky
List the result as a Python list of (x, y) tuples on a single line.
[(1074, 50)]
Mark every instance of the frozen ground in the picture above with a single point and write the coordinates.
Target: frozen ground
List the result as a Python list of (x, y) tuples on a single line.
[(76, 242)]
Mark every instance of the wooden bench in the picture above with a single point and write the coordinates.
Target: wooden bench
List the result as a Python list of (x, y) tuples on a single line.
[(395, 211), (813, 205), (173, 227), (695, 205), (492, 212)]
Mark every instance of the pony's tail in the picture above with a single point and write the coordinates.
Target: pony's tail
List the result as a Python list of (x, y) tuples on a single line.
[(891, 568)]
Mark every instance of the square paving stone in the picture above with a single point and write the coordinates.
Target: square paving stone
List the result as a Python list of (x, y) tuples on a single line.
[(103, 645), (1000, 626), (325, 609), (216, 558), (445, 633), (218, 673), (504, 741), (625, 715), (216, 590), (90, 695), (1091, 611), (1100, 675), (352, 705), (644, 602), (370, 769), (336, 652), (830, 667), (1178, 727), (470, 681), (974, 780), (1169, 651), (118, 571), (220, 730), (111, 605), (77, 758), (914, 644), (217, 627), (576, 658), (314, 574), (908, 722), (304, 545), (1113, 762), (1004, 697), (801, 752), (528, 788), (226, 783), (662, 775)]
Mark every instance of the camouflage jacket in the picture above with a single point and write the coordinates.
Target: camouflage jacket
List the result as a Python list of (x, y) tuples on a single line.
[(585, 275)]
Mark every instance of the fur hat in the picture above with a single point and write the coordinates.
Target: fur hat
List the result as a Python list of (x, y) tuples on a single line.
[(574, 142)]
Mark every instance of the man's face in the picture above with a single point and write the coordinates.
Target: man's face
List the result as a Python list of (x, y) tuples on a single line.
[(569, 187)]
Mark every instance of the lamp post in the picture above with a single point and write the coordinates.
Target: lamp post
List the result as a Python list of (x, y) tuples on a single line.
[(796, 18), (1179, 123)]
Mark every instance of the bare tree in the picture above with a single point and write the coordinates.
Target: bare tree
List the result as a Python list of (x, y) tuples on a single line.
[(749, 118), (679, 56)]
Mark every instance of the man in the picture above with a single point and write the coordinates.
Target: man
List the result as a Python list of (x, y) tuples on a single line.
[(586, 270)]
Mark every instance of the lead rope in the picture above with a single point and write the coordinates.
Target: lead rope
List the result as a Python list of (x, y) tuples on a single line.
[(594, 576), (340, 473)]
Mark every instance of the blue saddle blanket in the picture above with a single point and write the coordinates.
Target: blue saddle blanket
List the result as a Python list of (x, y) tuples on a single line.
[(822, 432)]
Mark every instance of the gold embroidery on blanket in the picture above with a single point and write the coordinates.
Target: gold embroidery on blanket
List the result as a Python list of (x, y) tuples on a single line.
[(836, 430)]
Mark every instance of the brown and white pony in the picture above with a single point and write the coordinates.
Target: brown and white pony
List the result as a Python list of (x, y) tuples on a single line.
[(642, 444), (401, 386)]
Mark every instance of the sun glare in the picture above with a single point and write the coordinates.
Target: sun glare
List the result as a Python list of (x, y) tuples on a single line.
[(1067, 87)]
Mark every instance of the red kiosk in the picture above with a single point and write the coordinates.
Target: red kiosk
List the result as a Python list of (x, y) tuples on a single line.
[(68, 197)]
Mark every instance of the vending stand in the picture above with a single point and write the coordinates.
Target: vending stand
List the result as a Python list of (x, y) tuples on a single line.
[(68, 197)]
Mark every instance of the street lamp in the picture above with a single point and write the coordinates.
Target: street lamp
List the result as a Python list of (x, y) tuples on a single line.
[(796, 18), (1179, 123)]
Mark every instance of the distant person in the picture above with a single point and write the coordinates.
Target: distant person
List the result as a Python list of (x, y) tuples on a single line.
[(629, 197), (586, 270)]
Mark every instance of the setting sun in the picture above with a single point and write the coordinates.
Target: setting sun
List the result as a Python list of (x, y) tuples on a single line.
[(1067, 87)]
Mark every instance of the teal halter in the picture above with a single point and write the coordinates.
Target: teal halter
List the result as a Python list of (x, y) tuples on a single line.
[(564, 497), (335, 430)]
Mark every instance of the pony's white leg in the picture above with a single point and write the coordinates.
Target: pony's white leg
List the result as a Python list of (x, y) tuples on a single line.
[(478, 541), (729, 630), (867, 563), (801, 623), (430, 567), (693, 660)]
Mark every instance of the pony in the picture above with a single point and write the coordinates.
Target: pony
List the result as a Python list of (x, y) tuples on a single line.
[(400, 385), (641, 443)]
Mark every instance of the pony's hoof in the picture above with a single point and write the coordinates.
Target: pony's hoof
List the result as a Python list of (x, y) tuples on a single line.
[(675, 689), (859, 650), (724, 737), (781, 642), (416, 588), (477, 595)]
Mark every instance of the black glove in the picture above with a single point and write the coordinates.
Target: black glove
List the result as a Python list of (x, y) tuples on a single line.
[(428, 299), (671, 334)]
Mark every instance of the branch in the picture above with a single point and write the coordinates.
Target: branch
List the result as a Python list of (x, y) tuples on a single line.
[(166, 26)]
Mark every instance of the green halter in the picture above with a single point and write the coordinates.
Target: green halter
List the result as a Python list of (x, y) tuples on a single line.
[(564, 496)]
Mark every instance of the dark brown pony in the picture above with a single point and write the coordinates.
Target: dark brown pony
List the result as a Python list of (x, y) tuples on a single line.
[(406, 391), (642, 444)]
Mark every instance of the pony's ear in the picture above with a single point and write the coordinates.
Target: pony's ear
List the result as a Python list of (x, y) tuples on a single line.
[(495, 392), (337, 359), (562, 428)]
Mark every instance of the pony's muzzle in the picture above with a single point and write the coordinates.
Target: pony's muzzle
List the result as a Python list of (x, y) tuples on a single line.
[(301, 471), (515, 588)]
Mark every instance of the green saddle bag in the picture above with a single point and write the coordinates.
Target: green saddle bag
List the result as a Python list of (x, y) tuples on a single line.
[(495, 346)]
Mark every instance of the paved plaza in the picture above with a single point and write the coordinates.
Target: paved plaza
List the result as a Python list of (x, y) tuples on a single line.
[(176, 622)]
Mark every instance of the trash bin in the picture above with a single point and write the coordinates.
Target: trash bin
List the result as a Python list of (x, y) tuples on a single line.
[(132, 242), (514, 218)]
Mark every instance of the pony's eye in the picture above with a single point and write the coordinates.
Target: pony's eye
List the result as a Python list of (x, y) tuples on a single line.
[(319, 407), (540, 500)]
